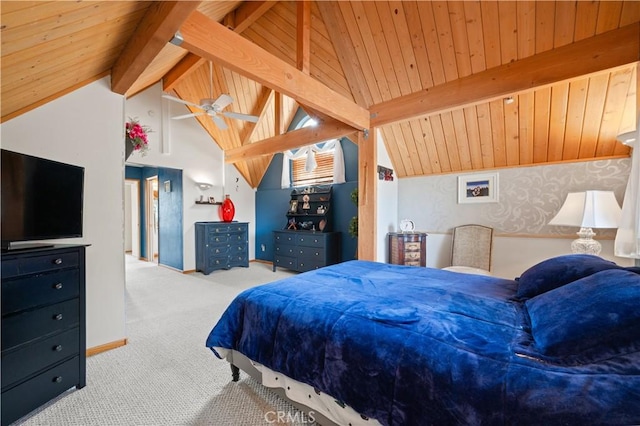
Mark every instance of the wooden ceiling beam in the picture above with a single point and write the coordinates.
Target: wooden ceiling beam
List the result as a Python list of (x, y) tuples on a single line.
[(602, 52), (211, 40), (278, 113), (325, 130), (157, 27), (238, 20), (181, 70), (303, 35), (260, 110), (249, 12)]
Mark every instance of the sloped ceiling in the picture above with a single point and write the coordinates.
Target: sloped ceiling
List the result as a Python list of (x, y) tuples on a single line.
[(414, 59)]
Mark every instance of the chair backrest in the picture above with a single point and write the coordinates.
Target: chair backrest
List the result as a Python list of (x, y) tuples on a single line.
[(472, 246)]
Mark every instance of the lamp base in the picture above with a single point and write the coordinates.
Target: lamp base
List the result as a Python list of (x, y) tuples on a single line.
[(586, 244)]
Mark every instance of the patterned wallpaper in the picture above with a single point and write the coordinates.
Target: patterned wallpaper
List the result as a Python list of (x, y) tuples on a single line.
[(528, 197)]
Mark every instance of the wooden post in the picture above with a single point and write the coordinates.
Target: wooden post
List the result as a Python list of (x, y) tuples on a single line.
[(367, 214)]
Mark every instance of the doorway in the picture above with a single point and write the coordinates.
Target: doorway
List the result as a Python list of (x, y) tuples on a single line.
[(151, 215), (132, 217)]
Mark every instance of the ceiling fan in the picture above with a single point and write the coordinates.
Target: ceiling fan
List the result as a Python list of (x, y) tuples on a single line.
[(213, 107)]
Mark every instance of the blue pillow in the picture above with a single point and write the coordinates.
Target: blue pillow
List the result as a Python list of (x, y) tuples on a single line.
[(558, 271), (596, 315)]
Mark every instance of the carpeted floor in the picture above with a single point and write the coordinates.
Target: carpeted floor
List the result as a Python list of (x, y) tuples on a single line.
[(165, 375)]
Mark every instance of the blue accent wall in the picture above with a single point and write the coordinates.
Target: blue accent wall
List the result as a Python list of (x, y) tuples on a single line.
[(272, 203)]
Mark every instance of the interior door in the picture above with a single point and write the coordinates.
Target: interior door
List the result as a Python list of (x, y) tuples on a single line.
[(134, 217), (151, 214)]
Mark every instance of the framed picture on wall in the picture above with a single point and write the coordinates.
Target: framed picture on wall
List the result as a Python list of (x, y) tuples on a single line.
[(480, 188)]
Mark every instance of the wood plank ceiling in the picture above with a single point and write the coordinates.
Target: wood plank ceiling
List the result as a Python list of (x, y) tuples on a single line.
[(372, 53)]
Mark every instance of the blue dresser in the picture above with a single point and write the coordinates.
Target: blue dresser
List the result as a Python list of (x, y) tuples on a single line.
[(304, 251), (221, 245), (43, 326)]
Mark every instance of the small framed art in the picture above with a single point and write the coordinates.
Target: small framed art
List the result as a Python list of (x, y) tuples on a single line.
[(293, 206), (480, 188)]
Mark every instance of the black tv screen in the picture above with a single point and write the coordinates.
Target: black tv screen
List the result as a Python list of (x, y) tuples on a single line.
[(41, 199)]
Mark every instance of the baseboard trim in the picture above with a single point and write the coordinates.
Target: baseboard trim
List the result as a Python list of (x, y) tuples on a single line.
[(106, 347)]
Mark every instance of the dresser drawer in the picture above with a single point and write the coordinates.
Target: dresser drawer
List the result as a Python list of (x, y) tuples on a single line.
[(35, 264), (226, 228), (285, 238), (40, 289), (240, 259), (217, 239), (29, 325), (311, 253), (16, 365), (285, 250), (311, 240), (218, 251), (236, 249), (39, 390), (309, 264), (285, 262), (222, 228)]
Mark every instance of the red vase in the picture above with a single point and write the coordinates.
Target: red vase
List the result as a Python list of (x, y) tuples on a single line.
[(228, 209)]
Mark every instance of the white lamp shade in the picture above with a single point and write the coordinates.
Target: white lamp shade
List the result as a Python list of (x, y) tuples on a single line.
[(589, 209)]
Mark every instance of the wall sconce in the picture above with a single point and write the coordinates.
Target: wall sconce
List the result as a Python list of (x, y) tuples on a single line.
[(509, 100), (203, 185), (586, 210)]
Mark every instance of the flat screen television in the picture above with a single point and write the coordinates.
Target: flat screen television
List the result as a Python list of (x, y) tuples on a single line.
[(41, 199)]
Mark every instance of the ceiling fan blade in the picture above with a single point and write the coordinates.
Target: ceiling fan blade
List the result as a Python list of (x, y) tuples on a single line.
[(182, 101), (193, 114), (240, 116), (219, 122), (223, 101)]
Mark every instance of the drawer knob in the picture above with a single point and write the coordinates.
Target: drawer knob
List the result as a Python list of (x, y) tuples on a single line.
[(58, 261), (57, 317), (57, 379), (57, 348), (58, 286)]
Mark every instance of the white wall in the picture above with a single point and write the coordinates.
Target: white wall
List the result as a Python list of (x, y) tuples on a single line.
[(244, 200), (185, 145), (85, 128), (528, 198), (387, 198)]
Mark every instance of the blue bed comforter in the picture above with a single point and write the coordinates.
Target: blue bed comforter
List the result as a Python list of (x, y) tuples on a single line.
[(418, 346)]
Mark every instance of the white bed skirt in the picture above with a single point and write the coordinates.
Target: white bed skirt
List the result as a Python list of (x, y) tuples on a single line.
[(318, 406)]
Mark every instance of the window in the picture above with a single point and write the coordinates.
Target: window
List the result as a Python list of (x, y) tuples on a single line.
[(322, 174)]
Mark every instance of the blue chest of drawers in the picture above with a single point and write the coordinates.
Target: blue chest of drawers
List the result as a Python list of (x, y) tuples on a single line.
[(304, 251), (43, 326), (221, 245)]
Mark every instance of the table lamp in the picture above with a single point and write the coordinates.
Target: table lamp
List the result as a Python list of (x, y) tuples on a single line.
[(589, 209)]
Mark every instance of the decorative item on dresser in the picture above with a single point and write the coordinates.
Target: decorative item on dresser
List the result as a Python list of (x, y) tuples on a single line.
[(304, 251), (408, 248), (43, 326), (310, 209), (221, 245), (227, 210)]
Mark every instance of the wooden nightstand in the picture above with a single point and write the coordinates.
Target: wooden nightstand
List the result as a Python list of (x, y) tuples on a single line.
[(408, 248)]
